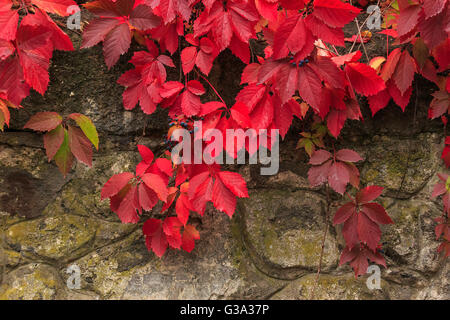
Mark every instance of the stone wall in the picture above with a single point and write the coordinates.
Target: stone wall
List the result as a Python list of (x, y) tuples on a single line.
[(270, 249)]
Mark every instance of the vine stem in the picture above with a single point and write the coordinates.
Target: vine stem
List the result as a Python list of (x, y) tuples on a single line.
[(212, 87), (319, 269)]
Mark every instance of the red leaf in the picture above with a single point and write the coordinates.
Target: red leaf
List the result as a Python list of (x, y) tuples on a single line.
[(146, 154), (368, 231), (379, 101), (408, 19), (322, 31), (115, 184), (116, 43), (404, 72), (433, 7), (53, 140), (55, 6), (391, 64), (308, 86), (188, 58), (43, 121), (143, 18), (156, 183), (376, 213), (334, 12), (319, 157), (223, 199), (432, 30), (128, 206), (364, 79), (147, 197), (338, 177), (286, 82), (8, 24), (317, 175), (344, 213), (96, 31), (369, 193), (183, 207), (234, 182), (190, 234), (290, 37), (438, 190), (350, 231), (80, 146), (401, 100), (348, 155)]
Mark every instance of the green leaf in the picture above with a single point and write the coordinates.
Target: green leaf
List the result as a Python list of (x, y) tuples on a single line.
[(87, 126), (64, 157)]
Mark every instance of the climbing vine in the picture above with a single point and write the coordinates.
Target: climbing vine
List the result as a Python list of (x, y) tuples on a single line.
[(305, 71)]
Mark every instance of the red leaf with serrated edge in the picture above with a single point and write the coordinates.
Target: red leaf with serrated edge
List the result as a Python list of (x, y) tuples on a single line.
[(364, 79), (327, 70), (308, 86), (334, 12), (438, 190), (195, 87), (190, 103), (344, 213), (433, 7), (401, 100), (290, 37), (116, 43), (368, 231), (223, 199), (404, 72), (146, 154), (147, 197), (190, 234), (115, 184), (379, 101), (442, 55), (376, 213), (250, 73), (171, 226), (336, 121), (317, 175), (322, 31), (350, 231), (262, 115), (156, 183), (96, 31), (43, 121), (239, 113), (188, 58), (408, 19), (53, 140), (143, 18), (338, 177), (158, 242), (282, 120), (40, 19), (369, 193), (391, 64), (183, 207), (58, 7), (432, 30), (286, 81), (348, 155), (234, 182), (8, 24), (80, 146), (240, 49), (6, 49), (128, 207), (267, 9), (359, 265), (202, 195), (319, 157)]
